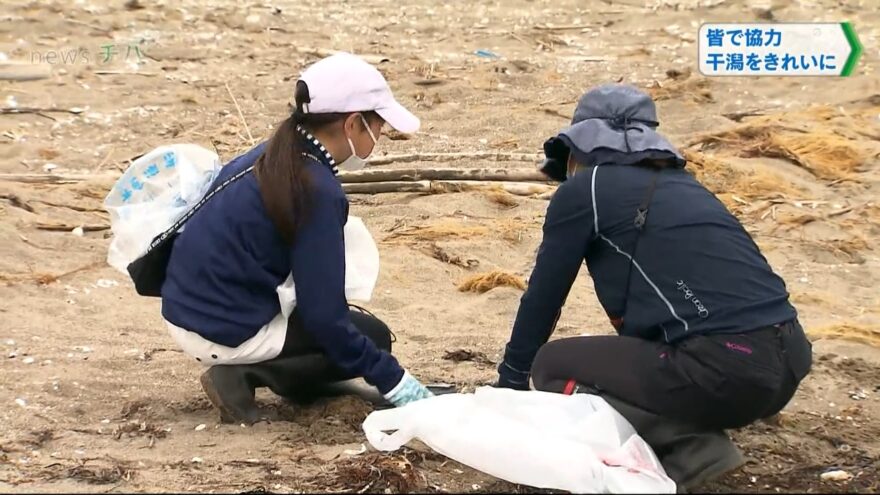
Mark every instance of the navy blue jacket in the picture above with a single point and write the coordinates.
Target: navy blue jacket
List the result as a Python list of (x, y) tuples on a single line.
[(228, 261), (696, 271)]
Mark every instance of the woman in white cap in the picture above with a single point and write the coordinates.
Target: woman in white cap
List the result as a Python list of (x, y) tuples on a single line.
[(284, 213)]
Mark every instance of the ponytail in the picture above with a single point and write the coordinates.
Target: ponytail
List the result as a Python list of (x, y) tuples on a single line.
[(284, 183), (281, 173)]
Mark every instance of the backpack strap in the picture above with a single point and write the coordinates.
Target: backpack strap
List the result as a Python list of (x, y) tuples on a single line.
[(639, 222), (192, 211)]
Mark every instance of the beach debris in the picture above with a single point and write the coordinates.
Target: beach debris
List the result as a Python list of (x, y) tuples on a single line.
[(858, 395), (485, 282), (836, 475), (483, 53), (502, 197), (353, 452), (441, 254), (460, 355)]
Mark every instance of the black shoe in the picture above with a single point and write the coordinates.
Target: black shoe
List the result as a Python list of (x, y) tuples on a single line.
[(228, 389), (699, 457), (691, 455), (232, 388)]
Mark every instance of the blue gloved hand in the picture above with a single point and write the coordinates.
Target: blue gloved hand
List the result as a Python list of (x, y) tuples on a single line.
[(509, 377), (408, 390)]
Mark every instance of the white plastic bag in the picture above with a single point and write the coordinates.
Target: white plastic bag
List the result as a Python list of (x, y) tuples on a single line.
[(361, 261), (159, 187), (361, 267), (155, 191), (577, 443)]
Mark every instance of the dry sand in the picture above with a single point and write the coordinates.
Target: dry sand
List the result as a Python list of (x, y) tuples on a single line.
[(93, 394)]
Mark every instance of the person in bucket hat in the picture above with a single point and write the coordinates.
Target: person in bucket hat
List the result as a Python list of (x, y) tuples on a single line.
[(707, 338), (612, 124)]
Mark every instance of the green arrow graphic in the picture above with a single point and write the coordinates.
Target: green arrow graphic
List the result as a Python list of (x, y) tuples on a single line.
[(855, 48)]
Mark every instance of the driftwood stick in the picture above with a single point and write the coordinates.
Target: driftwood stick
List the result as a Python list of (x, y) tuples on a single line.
[(516, 182), (16, 201), (566, 27), (14, 110), (48, 278), (20, 71), (240, 114), (124, 73), (66, 227), (449, 157), (89, 25), (445, 186), (83, 209), (323, 52), (423, 186), (417, 174), (56, 178)]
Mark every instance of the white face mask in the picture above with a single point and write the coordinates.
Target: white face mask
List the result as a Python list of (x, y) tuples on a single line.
[(354, 162)]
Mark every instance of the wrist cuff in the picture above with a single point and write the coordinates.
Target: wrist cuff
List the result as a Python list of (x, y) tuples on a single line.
[(398, 387)]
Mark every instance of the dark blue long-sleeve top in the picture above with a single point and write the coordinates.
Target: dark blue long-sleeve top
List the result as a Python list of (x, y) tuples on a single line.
[(227, 263), (696, 271)]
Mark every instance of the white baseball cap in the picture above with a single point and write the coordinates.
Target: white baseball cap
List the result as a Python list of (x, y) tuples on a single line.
[(344, 83)]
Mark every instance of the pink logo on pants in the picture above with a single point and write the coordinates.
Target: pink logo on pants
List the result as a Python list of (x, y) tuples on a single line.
[(739, 348)]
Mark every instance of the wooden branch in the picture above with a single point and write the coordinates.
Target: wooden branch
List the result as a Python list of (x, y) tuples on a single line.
[(124, 73), (48, 278), (739, 116), (20, 71), (54, 178), (445, 186), (387, 187), (556, 113), (89, 25), (15, 110), (66, 227), (417, 174), (240, 115), (83, 209), (17, 202), (518, 182), (323, 52), (449, 157), (566, 27)]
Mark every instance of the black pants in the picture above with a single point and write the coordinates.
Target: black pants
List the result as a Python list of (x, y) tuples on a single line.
[(716, 381), (300, 342)]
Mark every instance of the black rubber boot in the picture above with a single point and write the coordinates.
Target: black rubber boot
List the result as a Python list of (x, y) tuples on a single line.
[(232, 388), (304, 375), (690, 455)]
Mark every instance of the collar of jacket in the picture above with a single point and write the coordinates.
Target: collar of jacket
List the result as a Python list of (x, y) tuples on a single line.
[(316, 150)]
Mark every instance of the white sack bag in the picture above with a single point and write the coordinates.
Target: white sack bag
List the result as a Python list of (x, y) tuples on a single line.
[(577, 443), (361, 267), (361, 261)]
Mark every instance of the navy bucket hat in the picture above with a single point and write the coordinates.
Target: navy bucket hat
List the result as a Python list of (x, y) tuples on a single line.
[(612, 124)]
